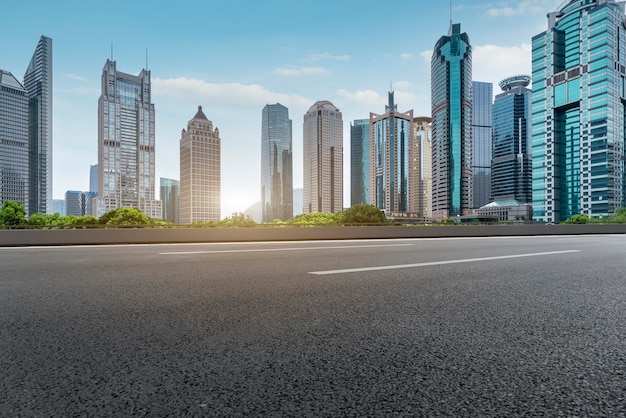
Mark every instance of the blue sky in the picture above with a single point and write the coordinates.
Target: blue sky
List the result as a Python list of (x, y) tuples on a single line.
[(234, 57)]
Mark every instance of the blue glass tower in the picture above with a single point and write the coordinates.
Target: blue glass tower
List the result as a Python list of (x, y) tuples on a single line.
[(578, 112), (391, 157), (482, 103), (451, 96), (360, 162), (276, 164), (510, 167)]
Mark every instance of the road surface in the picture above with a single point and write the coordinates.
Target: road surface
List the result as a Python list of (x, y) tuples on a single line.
[(509, 326)]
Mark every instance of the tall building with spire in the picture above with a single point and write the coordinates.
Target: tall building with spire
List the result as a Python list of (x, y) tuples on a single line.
[(200, 171), (276, 163), (38, 84), (578, 111), (323, 158), (391, 161), (126, 145), (451, 85)]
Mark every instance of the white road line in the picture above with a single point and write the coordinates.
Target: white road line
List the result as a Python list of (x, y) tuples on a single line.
[(261, 250), (437, 263)]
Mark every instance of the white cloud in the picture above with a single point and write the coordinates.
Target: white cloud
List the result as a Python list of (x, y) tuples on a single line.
[(300, 71), (406, 56), (520, 8), (492, 63), (237, 94), (327, 56)]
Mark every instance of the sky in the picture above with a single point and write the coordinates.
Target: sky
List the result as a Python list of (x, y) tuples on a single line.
[(234, 57)]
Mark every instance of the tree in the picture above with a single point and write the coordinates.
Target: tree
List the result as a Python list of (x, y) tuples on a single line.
[(580, 218), (237, 219), (314, 218), (363, 214), (619, 216), (12, 213), (124, 217)]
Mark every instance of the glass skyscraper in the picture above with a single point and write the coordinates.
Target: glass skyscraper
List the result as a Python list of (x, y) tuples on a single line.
[(323, 158), (200, 171), (578, 113), (38, 84), (511, 163), (391, 160), (13, 140), (360, 162), (126, 146), (170, 198), (276, 163), (482, 102), (451, 96), (422, 167)]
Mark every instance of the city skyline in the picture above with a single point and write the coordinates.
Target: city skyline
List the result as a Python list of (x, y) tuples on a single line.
[(259, 62)]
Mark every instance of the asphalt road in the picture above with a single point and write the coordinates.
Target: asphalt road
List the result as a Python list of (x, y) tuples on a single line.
[(475, 327)]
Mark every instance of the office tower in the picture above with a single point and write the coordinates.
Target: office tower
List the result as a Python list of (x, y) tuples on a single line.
[(323, 159), (58, 206), (93, 178), (422, 167), (510, 164), (360, 162), (276, 163), (170, 198), (451, 96), (391, 158), (79, 203), (482, 102), (13, 140), (126, 156), (578, 111), (298, 201), (200, 171), (38, 84)]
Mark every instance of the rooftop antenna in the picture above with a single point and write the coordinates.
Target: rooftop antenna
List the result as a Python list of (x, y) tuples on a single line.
[(450, 12)]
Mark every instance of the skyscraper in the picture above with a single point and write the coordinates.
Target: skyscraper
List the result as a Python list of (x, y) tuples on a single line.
[(482, 102), (323, 159), (13, 140), (126, 155), (38, 84), (510, 167), (451, 85), (578, 112), (170, 198), (79, 203), (360, 162), (391, 159), (422, 167), (276, 163), (200, 171)]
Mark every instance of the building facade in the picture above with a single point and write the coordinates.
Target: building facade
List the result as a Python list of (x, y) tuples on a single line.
[(482, 103), (360, 162), (200, 171), (126, 145), (511, 151), (422, 167), (391, 161), (170, 199), (578, 112), (451, 96), (276, 163), (38, 84), (323, 159), (79, 203), (14, 158)]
